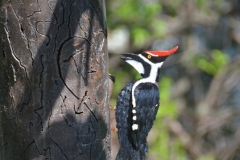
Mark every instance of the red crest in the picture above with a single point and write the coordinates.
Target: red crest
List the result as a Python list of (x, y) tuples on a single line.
[(163, 53)]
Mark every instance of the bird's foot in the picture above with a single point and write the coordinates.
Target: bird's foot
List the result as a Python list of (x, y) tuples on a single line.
[(111, 107), (114, 129)]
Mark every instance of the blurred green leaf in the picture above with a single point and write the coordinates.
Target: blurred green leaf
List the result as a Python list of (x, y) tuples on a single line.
[(219, 59), (159, 28), (206, 158), (201, 3), (141, 17), (139, 35), (152, 9), (212, 66), (167, 106), (161, 146)]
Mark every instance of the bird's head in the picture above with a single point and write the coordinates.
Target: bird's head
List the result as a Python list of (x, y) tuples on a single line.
[(145, 62)]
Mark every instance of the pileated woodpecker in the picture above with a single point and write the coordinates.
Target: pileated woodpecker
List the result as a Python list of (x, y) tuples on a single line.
[(137, 104)]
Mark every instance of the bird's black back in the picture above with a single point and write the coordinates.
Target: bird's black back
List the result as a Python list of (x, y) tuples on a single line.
[(133, 145)]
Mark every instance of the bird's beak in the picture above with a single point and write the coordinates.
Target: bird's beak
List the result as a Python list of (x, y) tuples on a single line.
[(134, 60), (128, 56)]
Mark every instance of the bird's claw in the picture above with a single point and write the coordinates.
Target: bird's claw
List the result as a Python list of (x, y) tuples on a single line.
[(111, 107), (114, 129)]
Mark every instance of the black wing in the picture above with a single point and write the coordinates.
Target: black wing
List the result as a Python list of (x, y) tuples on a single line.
[(147, 102), (124, 123), (124, 106)]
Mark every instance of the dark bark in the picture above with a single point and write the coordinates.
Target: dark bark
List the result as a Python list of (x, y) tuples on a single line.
[(54, 94)]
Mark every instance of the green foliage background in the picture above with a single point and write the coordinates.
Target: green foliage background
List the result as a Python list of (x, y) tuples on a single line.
[(208, 50)]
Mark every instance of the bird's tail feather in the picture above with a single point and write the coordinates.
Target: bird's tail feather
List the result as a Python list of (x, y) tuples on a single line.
[(126, 153)]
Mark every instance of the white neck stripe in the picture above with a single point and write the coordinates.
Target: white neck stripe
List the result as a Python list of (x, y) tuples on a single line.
[(150, 79)]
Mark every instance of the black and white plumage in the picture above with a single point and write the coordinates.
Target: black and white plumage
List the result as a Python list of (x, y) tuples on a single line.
[(138, 103)]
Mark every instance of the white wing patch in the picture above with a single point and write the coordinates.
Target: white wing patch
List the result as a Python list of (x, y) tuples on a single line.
[(134, 127), (134, 118), (137, 65)]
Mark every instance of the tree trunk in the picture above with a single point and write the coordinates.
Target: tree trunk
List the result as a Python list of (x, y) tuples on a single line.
[(54, 97)]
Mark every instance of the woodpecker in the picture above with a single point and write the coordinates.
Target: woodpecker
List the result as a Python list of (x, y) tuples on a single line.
[(138, 103)]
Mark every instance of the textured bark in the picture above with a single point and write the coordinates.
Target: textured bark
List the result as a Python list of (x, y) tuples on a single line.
[(54, 80)]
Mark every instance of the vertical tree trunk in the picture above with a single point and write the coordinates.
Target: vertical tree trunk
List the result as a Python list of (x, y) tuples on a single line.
[(54, 94)]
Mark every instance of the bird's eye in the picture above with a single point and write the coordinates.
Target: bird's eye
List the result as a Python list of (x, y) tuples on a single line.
[(149, 56)]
